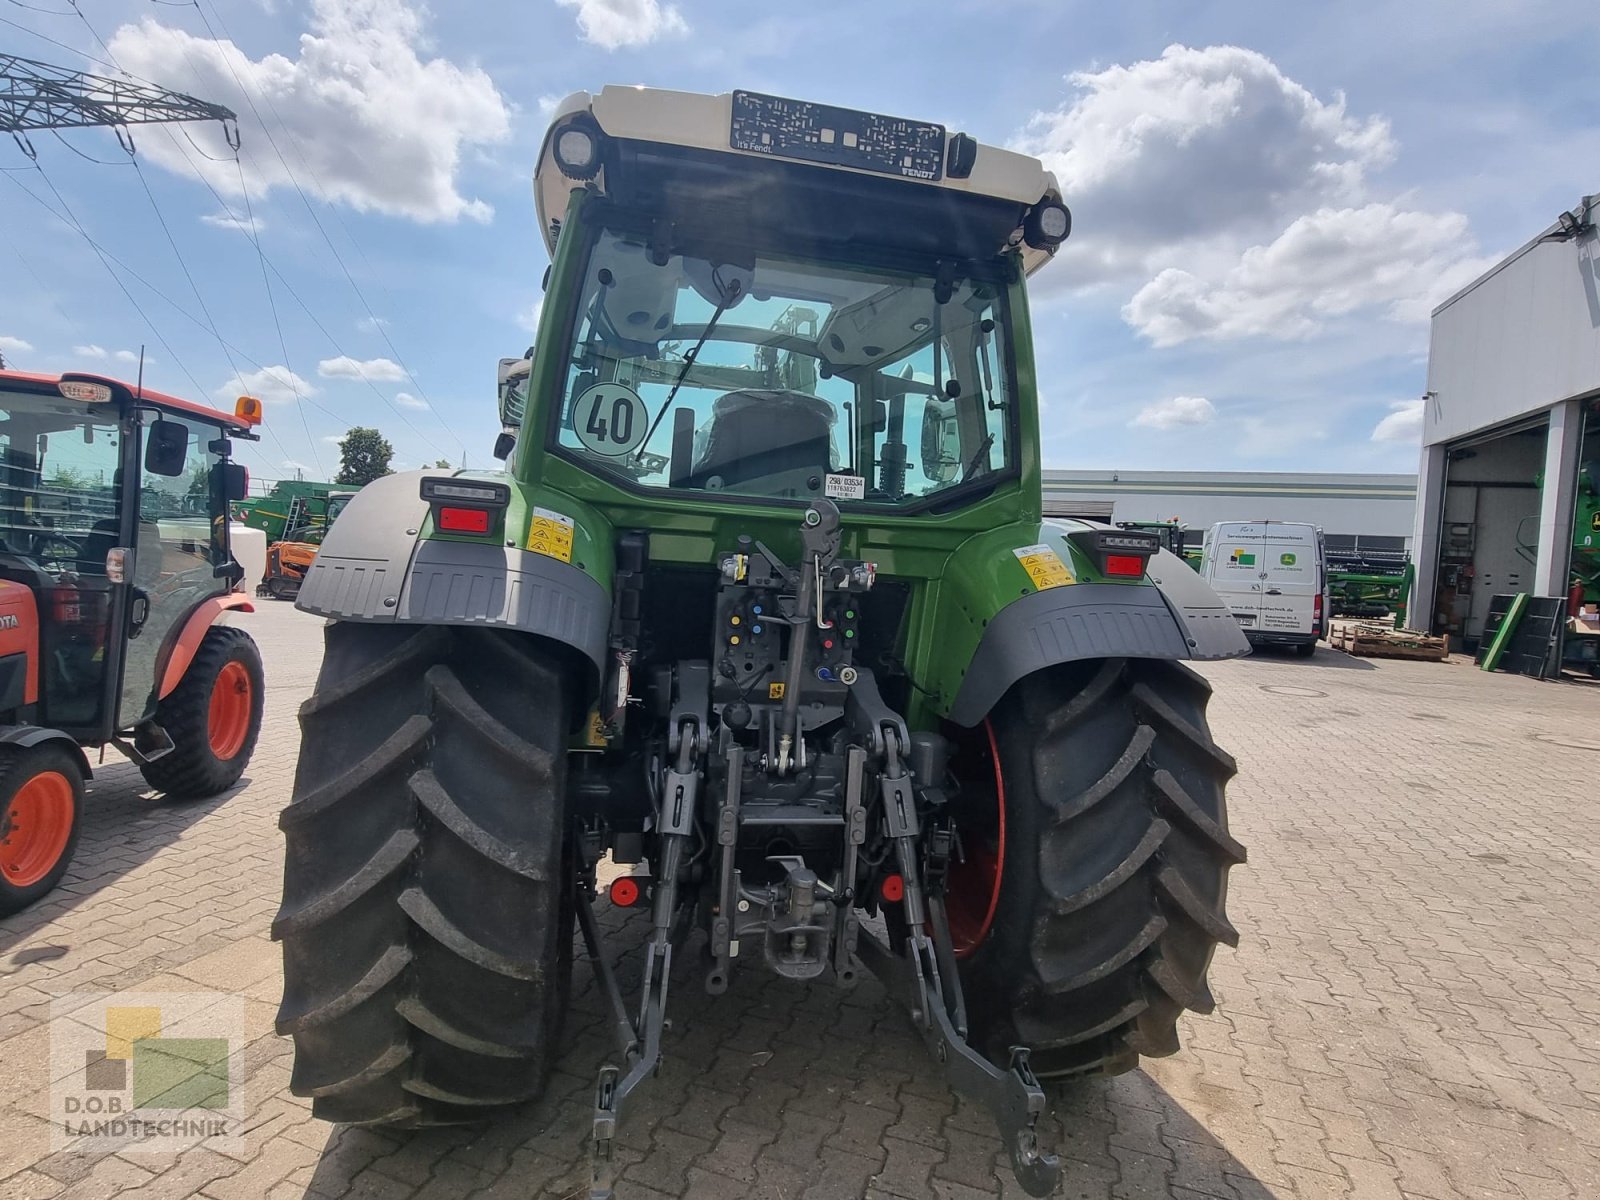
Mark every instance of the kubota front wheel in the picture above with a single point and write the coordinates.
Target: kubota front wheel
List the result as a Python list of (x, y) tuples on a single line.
[(1096, 852), (213, 717), (427, 910), (41, 795)]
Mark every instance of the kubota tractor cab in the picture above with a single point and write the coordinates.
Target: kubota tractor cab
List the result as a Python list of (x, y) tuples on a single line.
[(764, 607), (114, 567)]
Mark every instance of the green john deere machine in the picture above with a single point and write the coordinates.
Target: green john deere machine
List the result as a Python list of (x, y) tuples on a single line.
[(1366, 583), (289, 511), (764, 599)]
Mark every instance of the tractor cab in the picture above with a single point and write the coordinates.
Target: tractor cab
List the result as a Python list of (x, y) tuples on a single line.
[(114, 565)]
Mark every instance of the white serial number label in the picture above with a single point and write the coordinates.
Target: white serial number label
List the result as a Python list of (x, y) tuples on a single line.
[(845, 487)]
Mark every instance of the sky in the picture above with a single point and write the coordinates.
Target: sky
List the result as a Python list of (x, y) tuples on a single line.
[(1268, 199)]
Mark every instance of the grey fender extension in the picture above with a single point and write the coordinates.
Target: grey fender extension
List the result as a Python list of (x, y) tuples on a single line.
[(1097, 620)]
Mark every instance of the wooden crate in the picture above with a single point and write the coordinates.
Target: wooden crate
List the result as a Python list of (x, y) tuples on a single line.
[(1381, 641)]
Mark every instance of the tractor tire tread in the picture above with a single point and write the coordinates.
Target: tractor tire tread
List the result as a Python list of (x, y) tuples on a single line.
[(422, 905), (1116, 870)]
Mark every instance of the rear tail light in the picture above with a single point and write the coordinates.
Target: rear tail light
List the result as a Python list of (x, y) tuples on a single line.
[(465, 505), (1117, 553), (625, 891), (1125, 565), (464, 520)]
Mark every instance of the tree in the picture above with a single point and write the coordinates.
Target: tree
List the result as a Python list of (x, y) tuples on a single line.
[(364, 455), (441, 464)]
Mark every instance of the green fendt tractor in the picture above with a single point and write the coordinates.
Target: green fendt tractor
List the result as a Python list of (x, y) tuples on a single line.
[(765, 600)]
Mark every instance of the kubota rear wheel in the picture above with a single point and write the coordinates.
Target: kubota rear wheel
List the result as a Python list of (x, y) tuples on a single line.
[(1096, 857), (41, 795), (427, 906), (213, 717)]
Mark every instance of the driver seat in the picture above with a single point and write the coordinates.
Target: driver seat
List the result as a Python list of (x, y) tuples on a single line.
[(758, 434)]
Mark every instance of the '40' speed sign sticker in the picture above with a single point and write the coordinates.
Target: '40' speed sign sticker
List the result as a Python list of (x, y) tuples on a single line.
[(610, 419)]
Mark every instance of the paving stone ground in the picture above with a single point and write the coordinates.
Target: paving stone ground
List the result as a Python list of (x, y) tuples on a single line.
[(1414, 1009)]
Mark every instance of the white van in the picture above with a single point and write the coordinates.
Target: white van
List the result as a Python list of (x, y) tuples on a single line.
[(1273, 576)]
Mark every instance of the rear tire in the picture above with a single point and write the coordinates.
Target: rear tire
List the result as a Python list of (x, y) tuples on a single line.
[(41, 801), (1306, 649), (213, 717), (427, 912), (1115, 861)]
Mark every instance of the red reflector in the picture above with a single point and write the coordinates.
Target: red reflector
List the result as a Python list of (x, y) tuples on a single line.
[(893, 889), (1125, 564), (464, 520), (624, 892)]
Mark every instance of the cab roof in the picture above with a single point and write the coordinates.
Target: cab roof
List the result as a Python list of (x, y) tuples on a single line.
[(766, 134), (126, 392)]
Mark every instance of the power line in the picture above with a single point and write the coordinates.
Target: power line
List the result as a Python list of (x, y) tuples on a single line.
[(337, 257), (178, 254), (107, 257), (272, 303), (72, 220)]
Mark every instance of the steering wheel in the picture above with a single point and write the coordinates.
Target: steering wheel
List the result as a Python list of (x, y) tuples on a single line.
[(55, 551)]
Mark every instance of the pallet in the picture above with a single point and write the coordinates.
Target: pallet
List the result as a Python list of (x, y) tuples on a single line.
[(1381, 641)]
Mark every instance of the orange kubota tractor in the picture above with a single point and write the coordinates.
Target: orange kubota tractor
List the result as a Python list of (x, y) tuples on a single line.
[(114, 569), (288, 560)]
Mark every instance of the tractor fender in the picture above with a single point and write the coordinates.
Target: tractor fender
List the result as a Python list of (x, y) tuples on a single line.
[(372, 566), (192, 632), (1170, 615), (29, 736)]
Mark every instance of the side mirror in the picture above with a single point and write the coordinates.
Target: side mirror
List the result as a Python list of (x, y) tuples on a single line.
[(941, 441), (513, 389), (166, 448), (504, 444), (234, 481)]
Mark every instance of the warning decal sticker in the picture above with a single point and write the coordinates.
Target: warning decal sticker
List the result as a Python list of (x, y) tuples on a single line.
[(550, 533), (1044, 566)]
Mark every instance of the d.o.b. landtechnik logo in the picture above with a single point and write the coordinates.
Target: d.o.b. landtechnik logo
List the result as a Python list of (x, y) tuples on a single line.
[(144, 1071)]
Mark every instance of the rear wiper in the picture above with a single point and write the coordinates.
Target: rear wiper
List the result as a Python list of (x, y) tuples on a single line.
[(723, 301)]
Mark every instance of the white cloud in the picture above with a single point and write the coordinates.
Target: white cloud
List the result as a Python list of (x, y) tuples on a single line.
[(270, 384), (228, 220), (13, 345), (333, 439), (378, 370), (90, 351), (1180, 410), (1329, 263), (407, 400), (131, 356), (370, 121), (528, 318), (612, 24), (1199, 142), (372, 324), (1403, 424), (289, 464)]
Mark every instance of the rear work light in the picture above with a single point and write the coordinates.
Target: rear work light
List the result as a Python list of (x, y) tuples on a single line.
[(463, 520), (1118, 553), (469, 491)]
